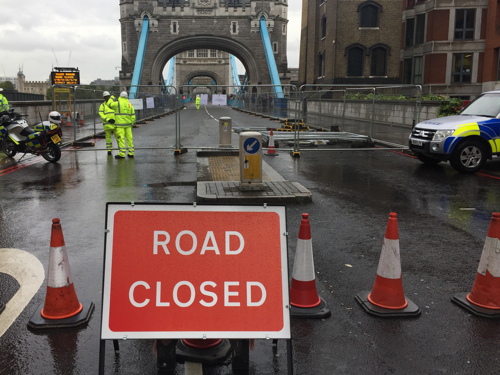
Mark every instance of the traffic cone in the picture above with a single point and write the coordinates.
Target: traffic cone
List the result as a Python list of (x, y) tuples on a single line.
[(271, 151), (484, 298), (61, 308), (208, 351), (304, 299), (81, 121), (387, 297), (68, 120)]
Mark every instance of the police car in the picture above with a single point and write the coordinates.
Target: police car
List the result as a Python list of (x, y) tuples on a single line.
[(466, 140)]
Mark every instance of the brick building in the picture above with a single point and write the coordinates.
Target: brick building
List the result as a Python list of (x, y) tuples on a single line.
[(350, 42), (451, 48)]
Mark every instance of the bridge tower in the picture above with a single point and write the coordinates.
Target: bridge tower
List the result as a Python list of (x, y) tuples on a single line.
[(232, 26)]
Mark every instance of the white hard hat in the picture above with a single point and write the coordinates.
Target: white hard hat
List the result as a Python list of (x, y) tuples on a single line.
[(124, 94), (106, 93), (1, 89)]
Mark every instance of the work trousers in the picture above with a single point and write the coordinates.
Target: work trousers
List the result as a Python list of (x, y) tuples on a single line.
[(109, 129), (124, 134)]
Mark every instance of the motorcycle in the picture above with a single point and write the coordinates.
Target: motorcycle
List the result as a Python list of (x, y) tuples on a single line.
[(16, 136)]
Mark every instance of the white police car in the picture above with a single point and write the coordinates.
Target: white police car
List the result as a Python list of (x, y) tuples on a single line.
[(466, 140)]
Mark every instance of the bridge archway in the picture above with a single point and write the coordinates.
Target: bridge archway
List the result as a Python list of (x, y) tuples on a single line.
[(201, 73), (209, 42), (153, 31)]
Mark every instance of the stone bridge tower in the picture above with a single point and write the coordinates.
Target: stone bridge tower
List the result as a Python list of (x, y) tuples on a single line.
[(180, 25)]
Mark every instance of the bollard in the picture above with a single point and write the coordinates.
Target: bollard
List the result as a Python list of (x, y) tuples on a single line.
[(225, 129), (251, 161)]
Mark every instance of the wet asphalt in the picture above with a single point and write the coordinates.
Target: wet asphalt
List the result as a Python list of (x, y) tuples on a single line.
[(443, 219)]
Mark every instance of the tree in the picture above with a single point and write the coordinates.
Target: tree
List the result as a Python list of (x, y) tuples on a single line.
[(7, 85)]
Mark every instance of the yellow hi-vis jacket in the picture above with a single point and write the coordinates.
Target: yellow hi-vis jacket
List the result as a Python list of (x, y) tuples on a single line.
[(124, 112), (106, 113), (4, 103)]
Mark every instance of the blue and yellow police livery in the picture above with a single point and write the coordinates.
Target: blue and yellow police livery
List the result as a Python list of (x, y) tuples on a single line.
[(466, 140)]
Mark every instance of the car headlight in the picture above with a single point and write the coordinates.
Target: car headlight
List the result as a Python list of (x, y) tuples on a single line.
[(442, 134)]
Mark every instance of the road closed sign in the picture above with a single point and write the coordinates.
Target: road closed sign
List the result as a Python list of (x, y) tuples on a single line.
[(195, 271)]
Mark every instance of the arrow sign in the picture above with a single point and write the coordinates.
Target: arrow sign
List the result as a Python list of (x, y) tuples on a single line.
[(251, 145)]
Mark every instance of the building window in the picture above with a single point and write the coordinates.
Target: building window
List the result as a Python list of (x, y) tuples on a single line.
[(462, 68), (213, 53), (323, 27), (321, 65), (418, 68), (355, 61), (124, 47), (379, 61), (465, 20), (202, 53), (407, 71), (275, 47), (191, 53), (410, 32), (234, 27), (413, 71), (174, 27), (420, 29), (369, 14), (415, 31)]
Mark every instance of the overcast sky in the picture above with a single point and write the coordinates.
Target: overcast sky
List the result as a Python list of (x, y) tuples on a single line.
[(37, 35)]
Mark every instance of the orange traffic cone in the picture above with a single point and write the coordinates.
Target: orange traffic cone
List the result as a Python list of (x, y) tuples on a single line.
[(62, 307), (271, 150), (304, 299), (208, 351), (484, 298), (387, 297), (68, 120)]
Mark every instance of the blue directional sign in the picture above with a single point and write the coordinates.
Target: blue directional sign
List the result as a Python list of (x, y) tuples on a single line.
[(251, 145)]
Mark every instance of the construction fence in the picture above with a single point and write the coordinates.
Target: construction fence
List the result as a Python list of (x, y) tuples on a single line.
[(385, 113)]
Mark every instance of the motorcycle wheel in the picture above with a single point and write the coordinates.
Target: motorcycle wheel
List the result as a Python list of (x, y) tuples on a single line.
[(8, 147), (53, 154)]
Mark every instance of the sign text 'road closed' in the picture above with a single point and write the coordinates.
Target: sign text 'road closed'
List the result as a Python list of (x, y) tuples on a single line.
[(177, 271)]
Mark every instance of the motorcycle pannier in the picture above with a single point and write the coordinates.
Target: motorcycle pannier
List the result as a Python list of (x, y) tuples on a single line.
[(36, 140)]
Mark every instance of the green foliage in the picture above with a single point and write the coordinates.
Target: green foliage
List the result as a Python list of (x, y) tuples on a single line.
[(449, 107), (7, 85), (400, 97)]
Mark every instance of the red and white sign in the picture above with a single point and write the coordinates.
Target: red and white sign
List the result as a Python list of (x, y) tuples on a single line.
[(187, 271)]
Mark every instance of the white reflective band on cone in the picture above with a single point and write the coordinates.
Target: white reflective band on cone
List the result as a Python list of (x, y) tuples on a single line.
[(490, 257), (59, 269), (389, 265), (303, 265)]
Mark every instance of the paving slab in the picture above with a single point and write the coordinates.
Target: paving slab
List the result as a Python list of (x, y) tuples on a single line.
[(219, 181)]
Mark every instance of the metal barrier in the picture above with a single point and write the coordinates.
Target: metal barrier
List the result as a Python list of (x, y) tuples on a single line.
[(79, 107), (385, 113), (369, 111)]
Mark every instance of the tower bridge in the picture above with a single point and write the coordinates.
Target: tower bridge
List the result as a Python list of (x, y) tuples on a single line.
[(154, 31)]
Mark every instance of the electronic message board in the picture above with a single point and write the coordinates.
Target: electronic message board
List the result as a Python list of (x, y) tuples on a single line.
[(65, 77)]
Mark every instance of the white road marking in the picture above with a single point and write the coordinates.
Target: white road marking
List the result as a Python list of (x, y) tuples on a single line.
[(29, 273)]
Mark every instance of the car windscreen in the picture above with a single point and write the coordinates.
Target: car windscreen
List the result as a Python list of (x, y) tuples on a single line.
[(485, 105)]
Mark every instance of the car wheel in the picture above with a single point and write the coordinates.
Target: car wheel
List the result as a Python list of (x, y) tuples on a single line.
[(427, 159), (468, 157)]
